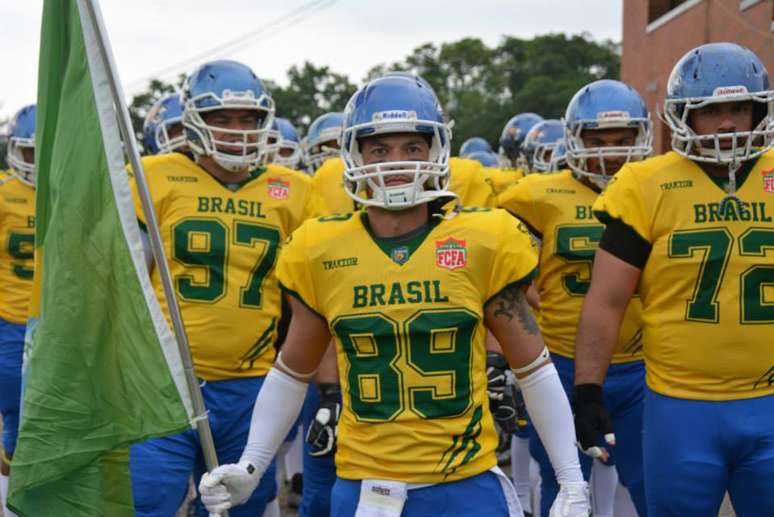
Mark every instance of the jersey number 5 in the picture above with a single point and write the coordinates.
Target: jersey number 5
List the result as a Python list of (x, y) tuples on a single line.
[(21, 246), (206, 244)]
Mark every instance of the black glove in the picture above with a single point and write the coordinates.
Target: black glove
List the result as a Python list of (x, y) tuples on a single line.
[(501, 388), (591, 420), (496, 376), (322, 433)]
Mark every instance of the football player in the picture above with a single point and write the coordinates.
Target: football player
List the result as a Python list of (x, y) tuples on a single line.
[(559, 156), (511, 139), (607, 124), (474, 144), (283, 145), (223, 219), (17, 231), (415, 432), (322, 139), (539, 144), (162, 131), (473, 184), (485, 158), (693, 232)]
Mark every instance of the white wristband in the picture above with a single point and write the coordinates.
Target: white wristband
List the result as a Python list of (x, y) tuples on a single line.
[(297, 375), (540, 359)]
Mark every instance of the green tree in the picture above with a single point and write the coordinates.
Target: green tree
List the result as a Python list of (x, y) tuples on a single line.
[(311, 91), (142, 102), (482, 87)]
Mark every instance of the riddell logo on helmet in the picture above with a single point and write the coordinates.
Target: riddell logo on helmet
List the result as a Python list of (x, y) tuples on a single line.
[(451, 254), (278, 189), (605, 115), (768, 180), (728, 90), (394, 115)]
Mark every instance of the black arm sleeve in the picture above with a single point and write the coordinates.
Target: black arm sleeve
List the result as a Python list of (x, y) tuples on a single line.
[(621, 240)]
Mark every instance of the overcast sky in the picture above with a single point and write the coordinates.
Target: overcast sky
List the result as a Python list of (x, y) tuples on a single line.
[(350, 36)]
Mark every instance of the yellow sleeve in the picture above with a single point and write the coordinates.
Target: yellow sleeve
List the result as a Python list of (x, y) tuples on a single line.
[(501, 179), (623, 200), (307, 210), (516, 258), (293, 270), (136, 199), (519, 201)]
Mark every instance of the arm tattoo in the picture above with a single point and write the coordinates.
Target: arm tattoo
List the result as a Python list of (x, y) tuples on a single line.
[(510, 301)]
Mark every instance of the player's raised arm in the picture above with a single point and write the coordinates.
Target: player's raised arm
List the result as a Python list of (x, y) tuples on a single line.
[(510, 319), (276, 410)]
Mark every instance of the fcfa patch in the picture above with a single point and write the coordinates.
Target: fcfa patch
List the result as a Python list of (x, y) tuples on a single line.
[(768, 181), (278, 189), (451, 254), (400, 255)]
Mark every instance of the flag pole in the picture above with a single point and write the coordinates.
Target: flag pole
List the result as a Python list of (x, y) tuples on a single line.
[(91, 8)]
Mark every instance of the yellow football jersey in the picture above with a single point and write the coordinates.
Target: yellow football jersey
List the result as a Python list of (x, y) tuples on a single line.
[(222, 246), (557, 208), (501, 179), (470, 180), (407, 317), (708, 285), (328, 194), (17, 230)]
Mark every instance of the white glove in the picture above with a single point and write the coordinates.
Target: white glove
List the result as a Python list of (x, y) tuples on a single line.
[(572, 500), (228, 485)]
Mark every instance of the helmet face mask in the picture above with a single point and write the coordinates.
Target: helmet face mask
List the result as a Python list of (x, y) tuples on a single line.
[(163, 127), (600, 106), (512, 138), (282, 137), (712, 74), (540, 143), (711, 147), (323, 139), (395, 105), (21, 138), (226, 85)]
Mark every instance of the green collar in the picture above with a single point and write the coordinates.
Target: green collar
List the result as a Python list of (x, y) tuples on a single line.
[(741, 175), (252, 175), (399, 249)]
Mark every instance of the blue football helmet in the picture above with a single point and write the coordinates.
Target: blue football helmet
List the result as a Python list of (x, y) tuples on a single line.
[(473, 145), (166, 113), (21, 137), (322, 139), (606, 104), (412, 76), (395, 105), (714, 73), (485, 158), (540, 141), (283, 146), (559, 156), (512, 137), (221, 85)]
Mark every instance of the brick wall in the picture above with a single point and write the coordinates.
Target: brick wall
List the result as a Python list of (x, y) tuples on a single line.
[(650, 50)]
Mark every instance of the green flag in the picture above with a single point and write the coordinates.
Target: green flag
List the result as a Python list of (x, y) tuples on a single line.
[(103, 370)]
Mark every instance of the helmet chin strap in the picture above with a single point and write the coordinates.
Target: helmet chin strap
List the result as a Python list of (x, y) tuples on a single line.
[(731, 197)]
